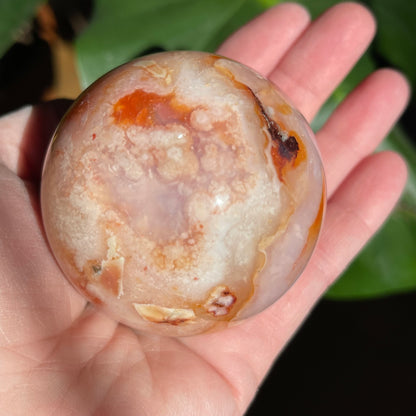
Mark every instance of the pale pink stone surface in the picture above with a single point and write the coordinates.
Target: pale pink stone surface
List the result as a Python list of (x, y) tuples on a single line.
[(182, 192)]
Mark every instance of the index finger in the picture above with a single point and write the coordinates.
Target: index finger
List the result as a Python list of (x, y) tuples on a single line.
[(261, 43), (306, 61), (323, 56)]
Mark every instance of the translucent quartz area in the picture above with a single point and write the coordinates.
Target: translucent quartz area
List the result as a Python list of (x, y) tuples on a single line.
[(181, 192)]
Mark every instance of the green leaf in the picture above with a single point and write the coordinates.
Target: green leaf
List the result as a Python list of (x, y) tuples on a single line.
[(399, 142), (124, 29), (396, 38), (387, 264), (317, 7), (14, 14), (246, 12)]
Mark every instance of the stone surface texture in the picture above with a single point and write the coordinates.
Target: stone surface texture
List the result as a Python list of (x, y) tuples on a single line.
[(182, 192)]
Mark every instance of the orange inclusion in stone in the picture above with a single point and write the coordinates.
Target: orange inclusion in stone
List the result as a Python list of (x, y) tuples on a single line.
[(110, 277), (284, 109), (148, 109), (301, 156), (316, 226), (281, 163)]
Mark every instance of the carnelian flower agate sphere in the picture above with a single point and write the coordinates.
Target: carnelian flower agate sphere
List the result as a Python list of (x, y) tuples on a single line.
[(181, 192)]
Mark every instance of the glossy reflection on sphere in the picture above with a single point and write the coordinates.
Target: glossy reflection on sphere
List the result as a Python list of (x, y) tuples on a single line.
[(182, 192)]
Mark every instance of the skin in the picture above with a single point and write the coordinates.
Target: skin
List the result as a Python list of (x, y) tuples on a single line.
[(60, 356)]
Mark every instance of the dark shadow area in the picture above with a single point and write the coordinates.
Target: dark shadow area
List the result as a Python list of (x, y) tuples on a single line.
[(408, 121), (25, 73), (26, 70), (349, 358), (38, 132), (72, 17), (149, 51)]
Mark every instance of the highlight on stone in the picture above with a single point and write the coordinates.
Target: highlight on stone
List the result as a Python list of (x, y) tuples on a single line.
[(182, 192)]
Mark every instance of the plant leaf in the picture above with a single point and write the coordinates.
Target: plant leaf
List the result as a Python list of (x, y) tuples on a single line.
[(248, 10), (123, 30), (14, 14), (396, 38)]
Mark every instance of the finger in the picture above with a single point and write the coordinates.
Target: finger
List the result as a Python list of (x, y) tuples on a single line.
[(360, 123), (354, 213), (12, 128), (262, 42), (323, 55), (25, 135), (36, 302)]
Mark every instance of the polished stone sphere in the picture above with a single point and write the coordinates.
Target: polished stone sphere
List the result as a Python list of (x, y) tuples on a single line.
[(182, 192)]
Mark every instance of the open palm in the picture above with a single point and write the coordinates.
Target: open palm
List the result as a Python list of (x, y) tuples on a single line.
[(60, 356)]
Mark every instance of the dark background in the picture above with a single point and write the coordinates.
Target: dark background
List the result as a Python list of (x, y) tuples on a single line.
[(349, 358)]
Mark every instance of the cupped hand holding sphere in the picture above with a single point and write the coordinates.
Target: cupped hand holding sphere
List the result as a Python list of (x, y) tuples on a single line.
[(57, 355)]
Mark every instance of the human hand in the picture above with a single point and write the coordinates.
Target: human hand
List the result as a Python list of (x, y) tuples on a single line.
[(59, 355)]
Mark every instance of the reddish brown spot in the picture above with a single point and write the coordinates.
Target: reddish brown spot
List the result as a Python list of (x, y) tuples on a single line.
[(280, 163), (145, 268), (94, 136), (286, 151), (148, 109), (301, 154)]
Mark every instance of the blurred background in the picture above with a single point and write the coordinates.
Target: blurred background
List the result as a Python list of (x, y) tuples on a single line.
[(356, 352)]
